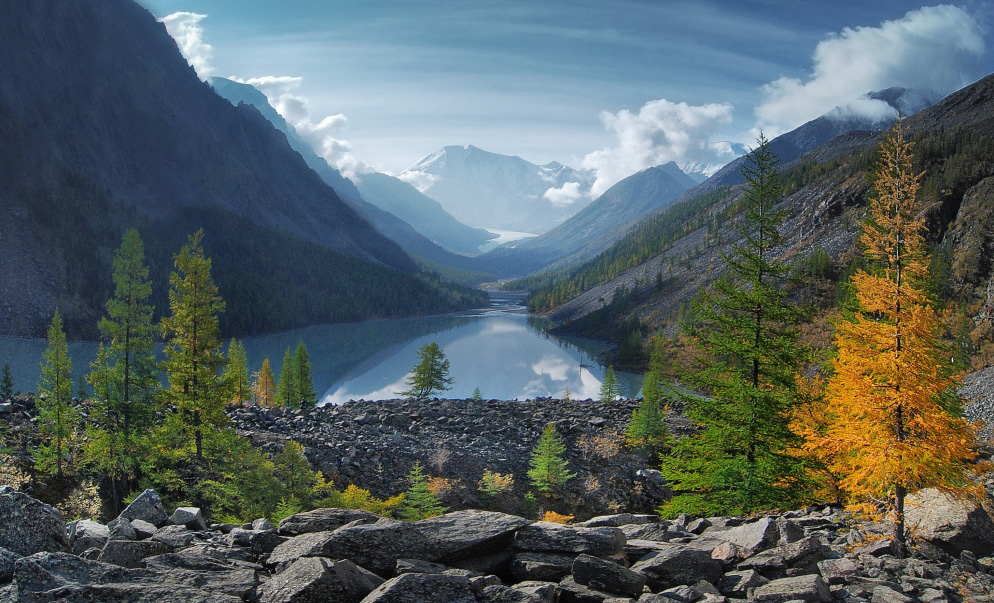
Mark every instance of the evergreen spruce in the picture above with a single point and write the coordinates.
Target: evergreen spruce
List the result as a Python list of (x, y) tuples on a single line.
[(430, 375), (294, 471), (288, 386), (305, 382), (740, 462), (647, 427), (419, 502), (57, 418), (477, 395), (6, 382), (610, 389), (549, 470), (236, 376)]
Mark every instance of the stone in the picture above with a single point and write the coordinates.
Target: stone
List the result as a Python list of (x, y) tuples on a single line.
[(85, 534), (148, 507), (120, 529), (311, 544), (729, 553), (682, 594), (549, 567), (143, 529), (764, 533), (189, 517), (417, 566), (262, 524), (737, 584), (7, 561), (30, 526), (698, 526), (421, 588), (607, 576), (652, 531), (546, 536), (129, 553), (678, 565), (954, 526), (320, 580), (506, 594), (837, 571), (175, 537), (783, 556), (498, 564), (547, 591), (323, 520), (809, 587), (572, 592), (883, 593), (636, 549), (608, 521), (262, 542)]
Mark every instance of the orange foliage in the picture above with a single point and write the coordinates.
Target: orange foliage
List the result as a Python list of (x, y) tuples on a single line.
[(553, 517), (264, 388)]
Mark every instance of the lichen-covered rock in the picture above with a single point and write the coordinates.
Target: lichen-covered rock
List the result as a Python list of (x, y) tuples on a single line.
[(954, 526), (7, 561), (175, 537), (120, 529), (129, 553), (809, 587), (143, 529), (548, 567), (421, 588), (604, 575), (737, 584), (189, 517), (323, 520), (678, 565), (320, 580), (764, 533), (29, 526), (545, 536), (85, 534), (148, 507), (506, 594)]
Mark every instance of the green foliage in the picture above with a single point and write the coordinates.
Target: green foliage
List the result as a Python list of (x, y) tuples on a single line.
[(354, 497), (609, 388), (549, 470), (529, 505), (419, 502), (477, 395), (293, 470), (430, 374), (304, 378), (647, 428), (739, 461), (6, 382), (236, 375), (57, 418), (492, 486), (288, 384), (193, 351), (81, 392)]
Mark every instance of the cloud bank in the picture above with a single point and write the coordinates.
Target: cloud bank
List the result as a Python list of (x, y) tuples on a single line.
[(565, 195), (936, 49), (184, 27), (660, 132)]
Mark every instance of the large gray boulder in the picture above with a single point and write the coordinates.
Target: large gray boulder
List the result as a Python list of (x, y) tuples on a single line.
[(29, 526), (129, 553), (506, 594), (678, 565), (547, 567), (174, 537), (7, 561), (188, 517), (605, 575), (323, 520), (147, 507), (809, 587), (86, 534), (737, 584), (764, 533), (421, 588), (545, 536), (320, 580), (952, 525)]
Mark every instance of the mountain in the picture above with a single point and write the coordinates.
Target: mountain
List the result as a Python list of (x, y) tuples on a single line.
[(499, 191), (107, 127), (394, 228)]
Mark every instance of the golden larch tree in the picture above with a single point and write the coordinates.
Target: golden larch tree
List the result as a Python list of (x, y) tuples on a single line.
[(892, 424), (264, 389)]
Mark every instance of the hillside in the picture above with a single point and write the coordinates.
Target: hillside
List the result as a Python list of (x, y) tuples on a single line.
[(107, 127)]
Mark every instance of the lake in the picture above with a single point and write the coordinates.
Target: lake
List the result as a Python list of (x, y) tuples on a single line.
[(502, 350)]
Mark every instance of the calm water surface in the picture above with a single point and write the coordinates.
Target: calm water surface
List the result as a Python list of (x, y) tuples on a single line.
[(501, 350)]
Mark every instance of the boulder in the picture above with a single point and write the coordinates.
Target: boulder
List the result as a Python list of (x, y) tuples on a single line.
[(129, 553), (506, 594), (572, 592), (660, 532), (189, 517), (262, 542), (678, 565), (883, 593), (143, 529), (809, 587), (262, 524), (421, 588), (953, 526), (737, 584), (175, 537), (312, 544), (609, 521), (546, 591), (147, 507), (320, 580), (837, 571), (764, 533), (545, 536), (120, 529), (783, 556), (550, 567), (86, 534), (7, 561), (323, 520), (682, 594), (605, 575), (30, 526)]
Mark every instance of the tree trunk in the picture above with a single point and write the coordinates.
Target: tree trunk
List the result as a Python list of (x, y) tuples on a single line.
[(900, 545)]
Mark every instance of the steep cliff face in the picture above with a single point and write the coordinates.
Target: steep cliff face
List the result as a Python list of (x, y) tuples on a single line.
[(104, 126)]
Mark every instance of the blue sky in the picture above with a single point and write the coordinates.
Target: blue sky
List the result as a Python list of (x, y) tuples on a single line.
[(613, 85)]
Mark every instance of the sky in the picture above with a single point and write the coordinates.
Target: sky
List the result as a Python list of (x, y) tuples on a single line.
[(615, 86)]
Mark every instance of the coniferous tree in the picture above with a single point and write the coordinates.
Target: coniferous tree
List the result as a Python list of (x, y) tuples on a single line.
[(740, 461), (305, 382), (193, 351), (6, 382), (57, 418), (430, 375), (647, 427), (549, 470), (263, 389), (419, 501), (892, 424), (294, 471), (609, 388), (287, 388), (236, 376)]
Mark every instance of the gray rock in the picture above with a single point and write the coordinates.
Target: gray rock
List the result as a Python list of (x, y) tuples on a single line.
[(737, 584), (954, 526), (682, 594), (506, 594), (759, 535), (319, 580), (572, 592), (837, 571), (30, 526), (498, 564), (262, 542), (129, 553), (886, 594), (783, 556), (323, 520), (175, 537), (729, 553), (120, 529), (143, 529), (548, 567), (85, 534), (607, 576), (148, 507), (312, 544), (809, 588), (609, 521), (636, 549), (422, 588), (417, 566), (189, 517), (554, 537), (546, 591), (678, 565), (652, 531), (262, 524), (7, 561)]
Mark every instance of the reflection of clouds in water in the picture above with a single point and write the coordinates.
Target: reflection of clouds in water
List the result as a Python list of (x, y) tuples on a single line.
[(555, 367), (388, 392), (590, 386), (498, 327)]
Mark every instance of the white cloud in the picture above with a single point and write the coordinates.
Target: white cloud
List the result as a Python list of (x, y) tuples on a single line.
[(326, 135), (185, 28), (419, 180), (935, 48), (660, 132), (567, 194)]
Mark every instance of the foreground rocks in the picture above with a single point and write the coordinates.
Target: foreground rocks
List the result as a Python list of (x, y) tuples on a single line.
[(339, 555)]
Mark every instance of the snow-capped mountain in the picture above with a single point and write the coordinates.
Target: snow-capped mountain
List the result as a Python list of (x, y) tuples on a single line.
[(501, 192)]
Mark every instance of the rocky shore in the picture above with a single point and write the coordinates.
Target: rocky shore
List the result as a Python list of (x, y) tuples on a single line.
[(819, 554)]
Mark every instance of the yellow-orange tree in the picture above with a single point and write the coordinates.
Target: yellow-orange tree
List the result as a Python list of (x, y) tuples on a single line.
[(891, 404)]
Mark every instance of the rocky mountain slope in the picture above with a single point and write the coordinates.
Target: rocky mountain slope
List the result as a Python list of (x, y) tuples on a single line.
[(107, 127)]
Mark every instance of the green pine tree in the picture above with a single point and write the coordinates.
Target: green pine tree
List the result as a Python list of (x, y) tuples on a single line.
[(288, 385), (477, 395), (293, 470), (57, 418), (610, 389), (419, 502), (739, 462), (305, 382), (549, 470), (430, 375), (193, 351), (6, 382), (647, 427), (236, 375)]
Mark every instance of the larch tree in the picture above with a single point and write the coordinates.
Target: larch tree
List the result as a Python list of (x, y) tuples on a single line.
[(193, 350), (236, 375), (430, 374), (264, 389), (57, 419), (419, 501), (609, 388), (740, 461), (288, 386), (892, 424), (549, 469), (305, 381)]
